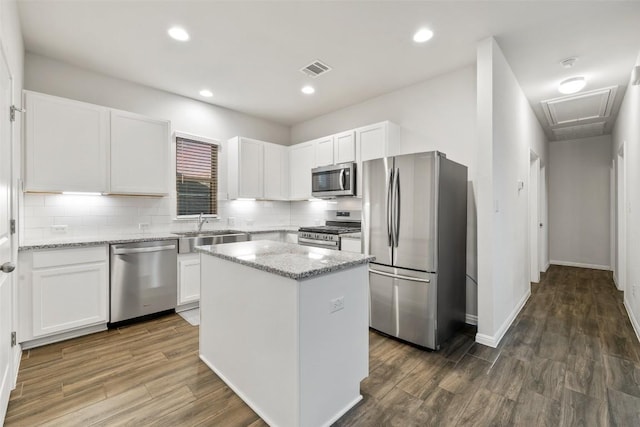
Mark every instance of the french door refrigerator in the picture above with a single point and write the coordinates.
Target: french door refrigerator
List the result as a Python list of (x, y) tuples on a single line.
[(415, 224)]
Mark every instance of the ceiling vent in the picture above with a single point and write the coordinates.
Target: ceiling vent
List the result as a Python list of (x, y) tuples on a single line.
[(315, 69), (580, 108), (579, 131)]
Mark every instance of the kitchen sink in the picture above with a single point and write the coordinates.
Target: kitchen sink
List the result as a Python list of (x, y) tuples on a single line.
[(189, 240)]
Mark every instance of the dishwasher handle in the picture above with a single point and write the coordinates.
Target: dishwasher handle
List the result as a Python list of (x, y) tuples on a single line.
[(126, 251)]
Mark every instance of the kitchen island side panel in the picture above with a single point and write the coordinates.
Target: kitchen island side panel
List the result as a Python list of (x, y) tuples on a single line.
[(249, 336), (334, 343)]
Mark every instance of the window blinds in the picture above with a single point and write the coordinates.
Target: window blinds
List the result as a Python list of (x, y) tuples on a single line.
[(196, 177)]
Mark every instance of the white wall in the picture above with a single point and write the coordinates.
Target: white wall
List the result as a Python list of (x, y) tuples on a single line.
[(507, 131), (627, 131), (437, 114), (579, 202)]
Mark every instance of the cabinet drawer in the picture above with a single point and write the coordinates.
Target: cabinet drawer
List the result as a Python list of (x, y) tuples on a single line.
[(59, 257)]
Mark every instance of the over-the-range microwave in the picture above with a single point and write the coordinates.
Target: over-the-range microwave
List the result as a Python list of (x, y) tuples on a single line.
[(334, 180)]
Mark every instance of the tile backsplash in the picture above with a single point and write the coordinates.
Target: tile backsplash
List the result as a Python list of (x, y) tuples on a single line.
[(50, 215)]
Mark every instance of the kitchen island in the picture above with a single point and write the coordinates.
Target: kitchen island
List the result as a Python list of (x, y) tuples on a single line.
[(286, 327)]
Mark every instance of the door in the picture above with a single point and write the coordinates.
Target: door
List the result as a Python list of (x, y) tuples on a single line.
[(6, 306), (376, 208), (323, 151), (345, 147), (251, 169), (414, 203)]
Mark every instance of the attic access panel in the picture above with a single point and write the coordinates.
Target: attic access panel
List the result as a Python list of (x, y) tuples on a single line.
[(581, 107), (579, 131)]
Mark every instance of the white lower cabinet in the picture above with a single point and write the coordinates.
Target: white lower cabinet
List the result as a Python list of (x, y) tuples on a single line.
[(188, 278), (62, 290)]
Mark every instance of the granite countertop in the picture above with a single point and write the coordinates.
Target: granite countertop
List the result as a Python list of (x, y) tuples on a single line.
[(285, 259), (79, 241)]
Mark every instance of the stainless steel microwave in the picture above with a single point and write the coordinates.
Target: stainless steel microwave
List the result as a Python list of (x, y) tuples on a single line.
[(333, 181)]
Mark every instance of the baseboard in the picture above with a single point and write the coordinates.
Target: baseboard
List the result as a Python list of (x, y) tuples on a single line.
[(471, 319), (17, 358), (581, 265), (188, 306), (546, 267), (615, 281), (634, 321), (494, 340), (63, 336)]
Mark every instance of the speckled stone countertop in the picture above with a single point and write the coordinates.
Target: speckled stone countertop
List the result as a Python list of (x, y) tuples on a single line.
[(286, 259), (80, 241)]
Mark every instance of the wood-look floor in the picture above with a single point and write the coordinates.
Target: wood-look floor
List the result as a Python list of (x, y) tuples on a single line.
[(570, 358)]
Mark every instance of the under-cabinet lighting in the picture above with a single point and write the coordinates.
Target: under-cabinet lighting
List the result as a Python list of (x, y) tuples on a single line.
[(315, 200), (243, 199), (81, 193)]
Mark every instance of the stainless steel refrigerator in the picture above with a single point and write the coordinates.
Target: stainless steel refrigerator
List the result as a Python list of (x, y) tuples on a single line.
[(415, 224)]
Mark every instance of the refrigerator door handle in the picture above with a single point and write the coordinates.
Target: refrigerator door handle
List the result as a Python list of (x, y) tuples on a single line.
[(399, 276), (396, 214), (389, 208)]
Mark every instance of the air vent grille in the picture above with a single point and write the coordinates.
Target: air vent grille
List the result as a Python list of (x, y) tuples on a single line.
[(315, 69)]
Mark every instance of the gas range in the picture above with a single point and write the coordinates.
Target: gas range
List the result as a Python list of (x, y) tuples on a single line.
[(327, 236)]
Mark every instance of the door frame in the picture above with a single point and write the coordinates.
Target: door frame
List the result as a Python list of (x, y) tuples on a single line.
[(534, 217), (621, 219), (543, 217)]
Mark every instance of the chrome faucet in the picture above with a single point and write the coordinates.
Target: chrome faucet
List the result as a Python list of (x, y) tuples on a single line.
[(201, 220)]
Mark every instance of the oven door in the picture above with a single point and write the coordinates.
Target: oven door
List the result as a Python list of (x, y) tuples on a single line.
[(332, 181), (325, 244)]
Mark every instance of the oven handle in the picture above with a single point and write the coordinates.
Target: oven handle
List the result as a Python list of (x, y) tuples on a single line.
[(319, 243), (126, 251)]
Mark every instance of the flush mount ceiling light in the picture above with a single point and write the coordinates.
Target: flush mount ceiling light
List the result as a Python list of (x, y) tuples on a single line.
[(308, 90), (422, 35), (206, 93), (179, 34), (572, 85)]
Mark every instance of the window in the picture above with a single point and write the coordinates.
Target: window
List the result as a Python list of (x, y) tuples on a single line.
[(196, 176)]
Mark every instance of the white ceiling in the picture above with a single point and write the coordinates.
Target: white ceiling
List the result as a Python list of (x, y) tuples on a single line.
[(249, 53)]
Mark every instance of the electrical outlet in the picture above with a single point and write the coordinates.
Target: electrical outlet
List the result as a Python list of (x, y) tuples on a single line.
[(143, 226), (59, 228), (337, 304)]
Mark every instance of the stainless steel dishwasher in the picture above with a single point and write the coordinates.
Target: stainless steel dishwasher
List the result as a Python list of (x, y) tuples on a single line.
[(144, 278)]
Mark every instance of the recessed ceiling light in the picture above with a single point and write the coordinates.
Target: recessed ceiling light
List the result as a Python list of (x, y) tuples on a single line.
[(572, 85), (206, 93), (422, 35), (308, 90), (179, 34)]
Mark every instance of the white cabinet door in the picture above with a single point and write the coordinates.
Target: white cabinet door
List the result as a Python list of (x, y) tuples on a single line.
[(301, 161), (139, 154), (69, 297), (345, 147), (67, 145), (323, 151), (188, 278), (373, 141), (276, 172), (246, 168)]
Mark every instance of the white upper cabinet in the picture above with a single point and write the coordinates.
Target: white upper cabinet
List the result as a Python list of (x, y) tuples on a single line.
[(139, 154), (276, 172), (378, 140), (67, 145), (301, 161), (75, 146), (257, 169), (323, 151), (344, 147)]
